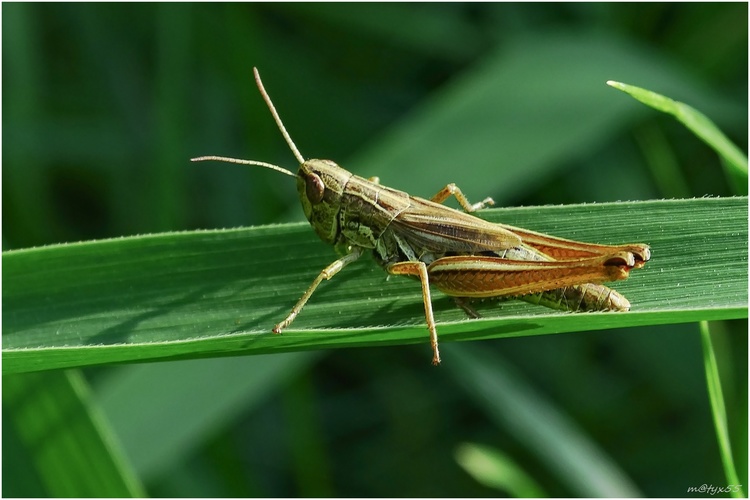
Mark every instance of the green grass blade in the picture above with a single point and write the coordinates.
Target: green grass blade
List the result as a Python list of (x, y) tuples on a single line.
[(495, 469), (565, 449), (159, 424), (696, 122), (72, 446), (215, 293), (719, 412)]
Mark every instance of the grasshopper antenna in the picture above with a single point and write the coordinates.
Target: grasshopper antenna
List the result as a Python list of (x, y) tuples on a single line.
[(287, 138), (244, 162), (266, 98)]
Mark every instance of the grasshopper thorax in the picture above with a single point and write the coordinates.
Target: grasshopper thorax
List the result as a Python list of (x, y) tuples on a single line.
[(320, 184)]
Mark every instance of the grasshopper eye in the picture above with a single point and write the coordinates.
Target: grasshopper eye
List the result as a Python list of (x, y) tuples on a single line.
[(314, 188)]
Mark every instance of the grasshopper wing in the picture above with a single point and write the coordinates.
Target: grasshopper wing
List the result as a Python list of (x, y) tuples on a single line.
[(440, 229)]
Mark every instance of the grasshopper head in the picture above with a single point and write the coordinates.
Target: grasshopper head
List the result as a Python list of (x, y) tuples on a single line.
[(320, 184)]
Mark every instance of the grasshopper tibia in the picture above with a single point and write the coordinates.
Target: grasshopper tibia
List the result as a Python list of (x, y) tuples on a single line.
[(419, 269)]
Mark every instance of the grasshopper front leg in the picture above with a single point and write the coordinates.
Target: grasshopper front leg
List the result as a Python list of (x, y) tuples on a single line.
[(329, 272)]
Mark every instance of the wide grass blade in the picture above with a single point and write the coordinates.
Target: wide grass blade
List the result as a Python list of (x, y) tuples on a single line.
[(217, 293)]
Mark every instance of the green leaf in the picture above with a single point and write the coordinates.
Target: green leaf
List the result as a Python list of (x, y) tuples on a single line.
[(696, 122), (217, 293)]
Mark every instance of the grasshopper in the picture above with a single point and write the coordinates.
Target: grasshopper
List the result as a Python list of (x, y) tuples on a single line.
[(459, 254)]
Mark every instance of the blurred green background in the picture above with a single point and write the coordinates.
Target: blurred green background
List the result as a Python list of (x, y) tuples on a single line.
[(104, 104)]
